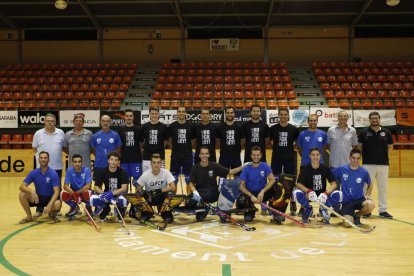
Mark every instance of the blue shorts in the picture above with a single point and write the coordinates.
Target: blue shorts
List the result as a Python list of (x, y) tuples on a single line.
[(132, 169), (349, 208), (43, 201)]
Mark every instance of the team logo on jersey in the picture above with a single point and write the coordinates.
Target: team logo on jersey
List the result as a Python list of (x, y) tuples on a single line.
[(262, 173), (307, 138), (111, 140), (382, 134), (320, 139), (47, 179), (358, 180), (345, 176), (210, 173), (98, 140), (83, 176)]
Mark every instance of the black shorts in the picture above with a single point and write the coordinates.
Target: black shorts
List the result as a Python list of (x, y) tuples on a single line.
[(349, 208), (43, 201)]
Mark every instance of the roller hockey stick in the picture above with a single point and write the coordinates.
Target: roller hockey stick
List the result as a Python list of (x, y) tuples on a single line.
[(273, 210), (97, 228), (230, 218), (353, 225), (153, 225), (122, 219)]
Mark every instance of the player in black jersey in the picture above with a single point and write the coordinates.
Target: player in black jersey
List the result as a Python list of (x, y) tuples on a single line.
[(256, 133), (230, 137), (154, 135), (182, 138), (131, 159), (205, 136)]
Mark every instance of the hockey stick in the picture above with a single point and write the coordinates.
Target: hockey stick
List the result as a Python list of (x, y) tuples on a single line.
[(153, 225), (230, 218), (97, 228), (360, 229), (122, 219), (273, 210)]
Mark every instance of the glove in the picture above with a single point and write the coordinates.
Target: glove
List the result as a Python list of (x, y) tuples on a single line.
[(106, 197), (196, 196), (247, 164), (76, 197), (322, 198), (312, 195)]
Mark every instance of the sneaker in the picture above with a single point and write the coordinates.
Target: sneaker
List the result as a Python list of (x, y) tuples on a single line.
[(357, 220), (306, 214), (98, 210), (385, 215), (366, 215), (277, 219), (248, 216), (293, 208), (325, 215), (300, 212), (73, 211)]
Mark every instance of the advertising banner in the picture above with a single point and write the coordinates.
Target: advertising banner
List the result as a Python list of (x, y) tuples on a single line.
[(328, 117), (8, 119), (91, 117), (166, 116), (118, 118), (224, 44), (216, 117), (297, 117), (387, 117), (35, 119), (405, 116)]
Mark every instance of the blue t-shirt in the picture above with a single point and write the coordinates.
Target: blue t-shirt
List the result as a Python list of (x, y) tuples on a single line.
[(311, 139), (104, 143), (44, 183), (77, 180), (352, 182), (255, 178)]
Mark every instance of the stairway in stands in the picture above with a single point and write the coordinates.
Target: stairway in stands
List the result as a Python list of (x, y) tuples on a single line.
[(139, 92), (306, 86)]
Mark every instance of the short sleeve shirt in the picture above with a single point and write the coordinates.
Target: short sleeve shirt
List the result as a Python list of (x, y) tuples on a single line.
[(152, 182)]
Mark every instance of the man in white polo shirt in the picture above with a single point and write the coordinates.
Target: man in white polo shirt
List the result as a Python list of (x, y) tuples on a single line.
[(49, 139)]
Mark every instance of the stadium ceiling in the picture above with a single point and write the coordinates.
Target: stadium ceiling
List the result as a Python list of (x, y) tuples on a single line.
[(253, 14)]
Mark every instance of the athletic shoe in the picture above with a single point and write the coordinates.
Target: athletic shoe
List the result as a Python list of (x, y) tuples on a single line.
[(98, 210), (73, 211), (277, 219), (325, 215), (293, 208), (366, 215), (385, 215), (357, 220), (300, 212), (306, 214), (248, 216)]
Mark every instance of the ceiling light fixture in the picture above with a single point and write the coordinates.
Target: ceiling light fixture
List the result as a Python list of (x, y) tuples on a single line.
[(393, 3), (61, 4)]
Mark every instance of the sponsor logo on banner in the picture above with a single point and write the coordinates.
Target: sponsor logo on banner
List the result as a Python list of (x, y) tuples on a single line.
[(271, 117), (387, 117), (328, 117), (166, 116), (299, 117), (194, 116), (8, 119), (118, 118), (34, 119), (244, 115), (91, 117), (405, 116), (224, 44)]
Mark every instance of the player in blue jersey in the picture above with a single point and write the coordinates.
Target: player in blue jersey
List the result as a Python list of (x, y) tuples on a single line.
[(256, 181), (311, 138), (311, 186), (103, 142), (77, 186), (46, 193), (355, 202)]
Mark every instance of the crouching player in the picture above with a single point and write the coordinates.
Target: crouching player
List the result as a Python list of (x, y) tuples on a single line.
[(158, 183), (203, 182), (311, 186), (256, 181), (77, 186), (116, 183), (353, 177)]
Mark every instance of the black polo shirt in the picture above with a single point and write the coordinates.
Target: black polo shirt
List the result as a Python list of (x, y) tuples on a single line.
[(375, 146)]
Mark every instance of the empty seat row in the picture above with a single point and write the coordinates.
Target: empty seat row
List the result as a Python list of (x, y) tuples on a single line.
[(221, 65), (369, 103), (223, 72), (224, 79), (225, 95), (394, 94), (36, 66), (64, 80), (64, 87), (62, 104), (369, 64)]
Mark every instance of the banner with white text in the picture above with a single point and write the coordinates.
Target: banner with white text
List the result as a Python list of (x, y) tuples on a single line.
[(387, 117), (328, 117), (91, 117)]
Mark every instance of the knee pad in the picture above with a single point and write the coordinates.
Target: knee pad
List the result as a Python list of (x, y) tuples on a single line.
[(95, 201), (300, 197), (86, 195), (65, 196), (243, 201), (336, 197), (121, 201)]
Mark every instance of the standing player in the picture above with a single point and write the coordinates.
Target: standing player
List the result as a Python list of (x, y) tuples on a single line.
[(77, 141), (284, 136), (157, 182), (230, 138), (355, 202), (154, 134), (131, 160), (205, 136), (256, 133), (182, 137), (311, 138), (103, 142), (311, 185), (256, 181), (376, 142), (46, 195), (77, 187), (116, 183)]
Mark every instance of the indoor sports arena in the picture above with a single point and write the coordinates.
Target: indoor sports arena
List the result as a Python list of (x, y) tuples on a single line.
[(196, 137)]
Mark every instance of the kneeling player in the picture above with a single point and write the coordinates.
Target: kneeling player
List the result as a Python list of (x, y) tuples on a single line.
[(311, 185), (256, 181), (77, 186), (158, 183), (353, 178), (116, 183), (203, 182)]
